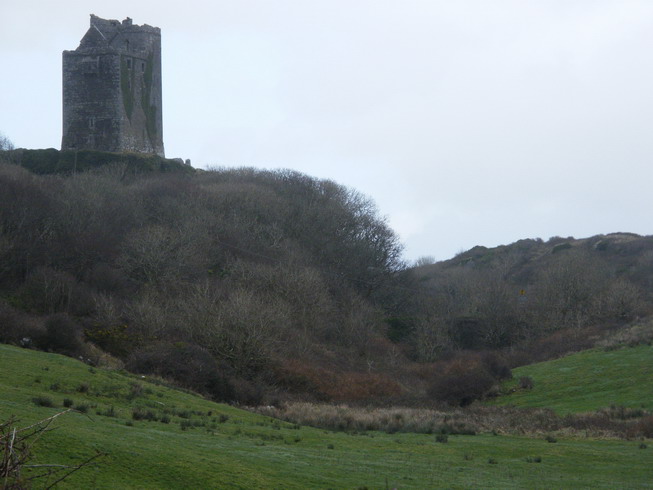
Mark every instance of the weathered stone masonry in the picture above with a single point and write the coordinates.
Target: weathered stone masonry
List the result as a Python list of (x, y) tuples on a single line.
[(112, 89)]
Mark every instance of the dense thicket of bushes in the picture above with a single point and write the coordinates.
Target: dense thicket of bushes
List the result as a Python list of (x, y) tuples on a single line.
[(514, 296), (240, 282), (188, 364), (253, 266)]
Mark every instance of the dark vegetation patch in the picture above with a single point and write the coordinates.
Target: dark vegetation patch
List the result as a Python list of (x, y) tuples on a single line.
[(261, 286), (52, 161), (43, 401), (187, 364)]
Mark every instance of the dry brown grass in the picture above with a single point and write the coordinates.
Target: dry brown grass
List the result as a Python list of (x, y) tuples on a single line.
[(470, 420), (330, 384)]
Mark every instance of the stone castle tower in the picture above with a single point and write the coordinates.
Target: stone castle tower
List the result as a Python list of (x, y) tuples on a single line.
[(112, 89)]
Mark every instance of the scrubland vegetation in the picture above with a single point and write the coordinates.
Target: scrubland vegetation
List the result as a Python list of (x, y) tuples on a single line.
[(262, 286), (288, 295)]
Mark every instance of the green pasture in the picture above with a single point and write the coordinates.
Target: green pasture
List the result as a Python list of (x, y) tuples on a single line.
[(587, 380), (195, 443)]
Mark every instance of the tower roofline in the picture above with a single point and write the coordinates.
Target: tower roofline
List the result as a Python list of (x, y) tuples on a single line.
[(111, 26)]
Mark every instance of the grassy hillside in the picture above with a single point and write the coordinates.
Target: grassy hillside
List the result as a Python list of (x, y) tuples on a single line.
[(195, 443), (587, 380)]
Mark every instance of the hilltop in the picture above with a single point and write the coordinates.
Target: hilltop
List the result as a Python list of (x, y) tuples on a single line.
[(257, 286)]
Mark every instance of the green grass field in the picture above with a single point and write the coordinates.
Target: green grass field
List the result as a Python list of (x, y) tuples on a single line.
[(209, 445), (588, 380)]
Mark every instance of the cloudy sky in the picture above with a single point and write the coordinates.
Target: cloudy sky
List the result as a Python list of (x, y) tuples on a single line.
[(468, 122)]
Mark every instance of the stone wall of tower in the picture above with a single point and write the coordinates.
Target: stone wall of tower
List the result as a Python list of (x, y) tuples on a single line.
[(112, 96)]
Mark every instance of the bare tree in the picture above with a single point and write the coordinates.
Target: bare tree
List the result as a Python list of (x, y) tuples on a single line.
[(16, 445), (567, 289), (5, 143)]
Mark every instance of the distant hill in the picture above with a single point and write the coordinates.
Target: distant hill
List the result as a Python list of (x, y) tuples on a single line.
[(627, 254), (496, 297)]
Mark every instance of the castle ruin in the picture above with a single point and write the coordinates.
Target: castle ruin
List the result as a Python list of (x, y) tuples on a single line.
[(112, 89)]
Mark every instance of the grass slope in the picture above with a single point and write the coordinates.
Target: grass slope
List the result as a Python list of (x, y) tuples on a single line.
[(209, 445), (587, 380)]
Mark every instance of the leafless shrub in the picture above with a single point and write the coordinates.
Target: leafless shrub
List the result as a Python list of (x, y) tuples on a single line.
[(620, 301), (16, 469), (554, 345), (106, 311), (248, 329), (148, 316), (5, 143), (47, 290), (156, 254)]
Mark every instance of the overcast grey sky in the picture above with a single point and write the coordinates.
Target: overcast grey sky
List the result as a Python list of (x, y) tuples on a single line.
[(468, 122)]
